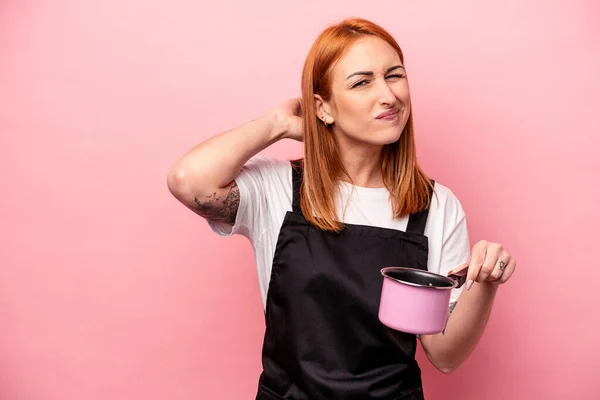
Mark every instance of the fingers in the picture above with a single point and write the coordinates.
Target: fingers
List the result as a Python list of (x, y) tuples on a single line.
[(460, 270), (489, 262), (500, 266), (478, 255), (492, 255), (508, 271), (296, 106)]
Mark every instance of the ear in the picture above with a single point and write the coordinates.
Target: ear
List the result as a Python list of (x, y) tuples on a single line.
[(323, 110)]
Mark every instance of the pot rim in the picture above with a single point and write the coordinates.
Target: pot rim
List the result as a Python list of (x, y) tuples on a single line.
[(385, 270)]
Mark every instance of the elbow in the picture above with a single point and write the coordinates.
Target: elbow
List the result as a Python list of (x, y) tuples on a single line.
[(445, 367), (443, 359), (447, 370), (187, 178), (442, 364), (183, 184), (176, 180)]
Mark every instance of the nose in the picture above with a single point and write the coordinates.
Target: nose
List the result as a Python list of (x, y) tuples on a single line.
[(384, 93)]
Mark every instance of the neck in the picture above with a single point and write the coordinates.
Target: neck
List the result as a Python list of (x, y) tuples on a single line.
[(363, 164)]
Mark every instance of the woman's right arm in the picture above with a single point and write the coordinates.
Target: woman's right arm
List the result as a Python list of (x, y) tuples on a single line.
[(203, 179)]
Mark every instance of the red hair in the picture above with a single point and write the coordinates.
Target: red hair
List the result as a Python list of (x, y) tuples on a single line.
[(408, 185)]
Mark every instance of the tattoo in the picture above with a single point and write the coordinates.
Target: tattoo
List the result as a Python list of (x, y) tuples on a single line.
[(220, 209), (450, 309)]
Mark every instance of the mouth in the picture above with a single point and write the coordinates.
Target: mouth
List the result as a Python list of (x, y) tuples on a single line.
[(389, 114)]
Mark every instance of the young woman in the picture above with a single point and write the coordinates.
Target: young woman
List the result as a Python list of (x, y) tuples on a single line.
[(322, 227)]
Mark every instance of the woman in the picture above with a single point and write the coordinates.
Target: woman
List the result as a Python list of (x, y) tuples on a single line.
[(322, 227)]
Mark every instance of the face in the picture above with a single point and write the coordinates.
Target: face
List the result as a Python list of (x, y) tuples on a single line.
[(370, 99)]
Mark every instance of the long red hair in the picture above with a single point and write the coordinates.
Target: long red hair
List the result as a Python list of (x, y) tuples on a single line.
[(408, 185)]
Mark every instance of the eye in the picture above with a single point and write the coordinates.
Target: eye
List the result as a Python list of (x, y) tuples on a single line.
[(397, 76), (359, 83)]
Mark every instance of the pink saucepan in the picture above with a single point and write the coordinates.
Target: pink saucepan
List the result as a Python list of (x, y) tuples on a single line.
[(416, 301)]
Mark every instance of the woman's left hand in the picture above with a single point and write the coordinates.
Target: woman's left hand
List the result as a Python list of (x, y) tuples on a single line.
[(489, 263)]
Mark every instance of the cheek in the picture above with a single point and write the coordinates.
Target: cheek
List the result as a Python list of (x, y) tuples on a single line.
[(353, 110), (350, 118), (353, 120), (401, 91)]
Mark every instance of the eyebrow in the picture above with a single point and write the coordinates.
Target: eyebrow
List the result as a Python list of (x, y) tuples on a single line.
[(370, 73)]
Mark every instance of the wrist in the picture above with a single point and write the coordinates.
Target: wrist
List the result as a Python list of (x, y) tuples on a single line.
[(279, 126), (486, 288)]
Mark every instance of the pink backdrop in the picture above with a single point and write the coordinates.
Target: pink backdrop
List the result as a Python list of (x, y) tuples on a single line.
[(109, 289)]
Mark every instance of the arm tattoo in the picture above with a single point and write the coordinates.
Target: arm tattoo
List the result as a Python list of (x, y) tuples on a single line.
[(450, 309), (220, 209)]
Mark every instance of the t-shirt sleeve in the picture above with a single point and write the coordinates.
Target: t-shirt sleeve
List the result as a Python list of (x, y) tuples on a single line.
[(255, 181), (456, 247)]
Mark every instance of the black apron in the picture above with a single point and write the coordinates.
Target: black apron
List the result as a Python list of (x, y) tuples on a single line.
[(323, 338)]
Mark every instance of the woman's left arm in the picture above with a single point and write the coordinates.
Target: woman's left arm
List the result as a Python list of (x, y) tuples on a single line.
[(489, 266)]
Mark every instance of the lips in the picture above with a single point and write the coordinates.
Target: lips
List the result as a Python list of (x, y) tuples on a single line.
[(388, 113)]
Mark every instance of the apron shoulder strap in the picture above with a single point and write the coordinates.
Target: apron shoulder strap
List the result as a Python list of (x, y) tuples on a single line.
[(297, 173), (417, 221)]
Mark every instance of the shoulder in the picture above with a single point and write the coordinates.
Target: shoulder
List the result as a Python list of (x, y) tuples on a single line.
[(446, 204), (265, 179), (267, 167)]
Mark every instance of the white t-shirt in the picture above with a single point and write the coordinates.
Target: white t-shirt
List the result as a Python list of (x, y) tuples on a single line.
[(265, 186)]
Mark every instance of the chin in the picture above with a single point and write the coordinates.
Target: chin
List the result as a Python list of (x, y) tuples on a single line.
[(378, 137), (384, 138)]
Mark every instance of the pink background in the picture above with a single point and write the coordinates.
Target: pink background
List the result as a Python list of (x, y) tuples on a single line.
[(110, 289)]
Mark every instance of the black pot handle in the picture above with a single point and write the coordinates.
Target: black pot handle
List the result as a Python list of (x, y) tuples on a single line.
[(461, 279)]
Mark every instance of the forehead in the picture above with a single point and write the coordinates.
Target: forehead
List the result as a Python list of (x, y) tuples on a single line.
[(367, 54)]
